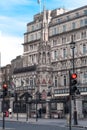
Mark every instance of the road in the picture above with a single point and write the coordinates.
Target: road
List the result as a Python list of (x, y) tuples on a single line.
[(13, 125)]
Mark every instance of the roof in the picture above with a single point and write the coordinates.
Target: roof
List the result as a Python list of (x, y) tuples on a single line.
[(24, 69)]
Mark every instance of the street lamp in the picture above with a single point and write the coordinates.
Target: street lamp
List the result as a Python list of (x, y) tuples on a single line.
[(49, 96), (36, 98), (72, 46), (37, 94), (16, 101)]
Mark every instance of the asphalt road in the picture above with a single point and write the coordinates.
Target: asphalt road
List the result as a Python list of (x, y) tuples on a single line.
[(13, 125)]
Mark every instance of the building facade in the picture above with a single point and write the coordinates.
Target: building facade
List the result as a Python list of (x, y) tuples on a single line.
[(47, 59)]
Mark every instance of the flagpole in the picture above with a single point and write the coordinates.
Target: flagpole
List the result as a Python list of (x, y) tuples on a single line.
[(39, 2), (40, 7)]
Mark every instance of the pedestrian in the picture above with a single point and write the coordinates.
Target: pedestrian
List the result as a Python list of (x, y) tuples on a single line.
[(10, 112)]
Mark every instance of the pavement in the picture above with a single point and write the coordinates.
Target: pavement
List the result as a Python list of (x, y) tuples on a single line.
[(82, 123)]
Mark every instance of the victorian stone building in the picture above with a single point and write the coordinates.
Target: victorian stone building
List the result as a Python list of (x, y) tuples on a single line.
[(47, 59)]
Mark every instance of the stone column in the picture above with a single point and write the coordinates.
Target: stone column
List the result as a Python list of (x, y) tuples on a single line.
[(79, 108), (47, 109), (46, 115)]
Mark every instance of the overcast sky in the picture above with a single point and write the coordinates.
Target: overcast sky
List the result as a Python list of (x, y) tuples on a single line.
[(14, 16)]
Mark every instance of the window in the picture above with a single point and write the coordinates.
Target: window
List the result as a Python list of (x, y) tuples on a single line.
[(63, 39), (81, 23), (31, 82), (54, 42), (64, 28), (56, 82), (35, 47), (32, 28), (85, 77), (25, 48), (84, 48), (35, 36), (64, 53), (54, 31), (34, 81), (63, 65), (31, 47), (73, 25), (36, 26), (31, 37), (86, 21), (59, 20), (85, 12), (68, 39), (68, 17), (84, 61), (38, 35), (55, 54), (83, 34), (64, 80), (77, 14)]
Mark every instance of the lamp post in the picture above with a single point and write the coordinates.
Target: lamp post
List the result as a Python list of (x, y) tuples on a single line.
[(37, 98), (28, 98), (49, 103), (72, 46), (26, 107), (16, 101)]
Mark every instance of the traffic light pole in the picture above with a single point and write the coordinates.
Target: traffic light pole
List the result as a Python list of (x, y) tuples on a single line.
[(3, 126), (5, 92), (70, 99), (75, 111)]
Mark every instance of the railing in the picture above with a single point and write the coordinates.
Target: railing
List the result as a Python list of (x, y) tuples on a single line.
[(66, 90)]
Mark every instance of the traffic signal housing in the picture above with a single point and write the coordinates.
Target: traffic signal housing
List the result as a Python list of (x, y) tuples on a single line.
[(5, 90), (73, 83), (16, 97)]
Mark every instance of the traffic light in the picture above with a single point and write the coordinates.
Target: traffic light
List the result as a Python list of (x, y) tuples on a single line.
[(73, 83), (5, 89), (16, 97)]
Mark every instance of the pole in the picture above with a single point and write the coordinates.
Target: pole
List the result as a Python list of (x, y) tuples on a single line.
[(3, 126), (36, 112), (17, 110), (26, 111), (75, 111), (73, 59), (70, 106)]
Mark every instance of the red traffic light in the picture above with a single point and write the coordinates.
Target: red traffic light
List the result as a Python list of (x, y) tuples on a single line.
[(5, 86), (74, 76)]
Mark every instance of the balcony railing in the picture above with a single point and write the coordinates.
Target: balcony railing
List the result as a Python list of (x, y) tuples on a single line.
[(66, 90)]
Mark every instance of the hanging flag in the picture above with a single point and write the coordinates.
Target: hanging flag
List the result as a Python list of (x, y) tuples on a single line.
[(38, 1)]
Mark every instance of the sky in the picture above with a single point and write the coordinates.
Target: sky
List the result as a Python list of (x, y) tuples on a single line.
[(14, 16)]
